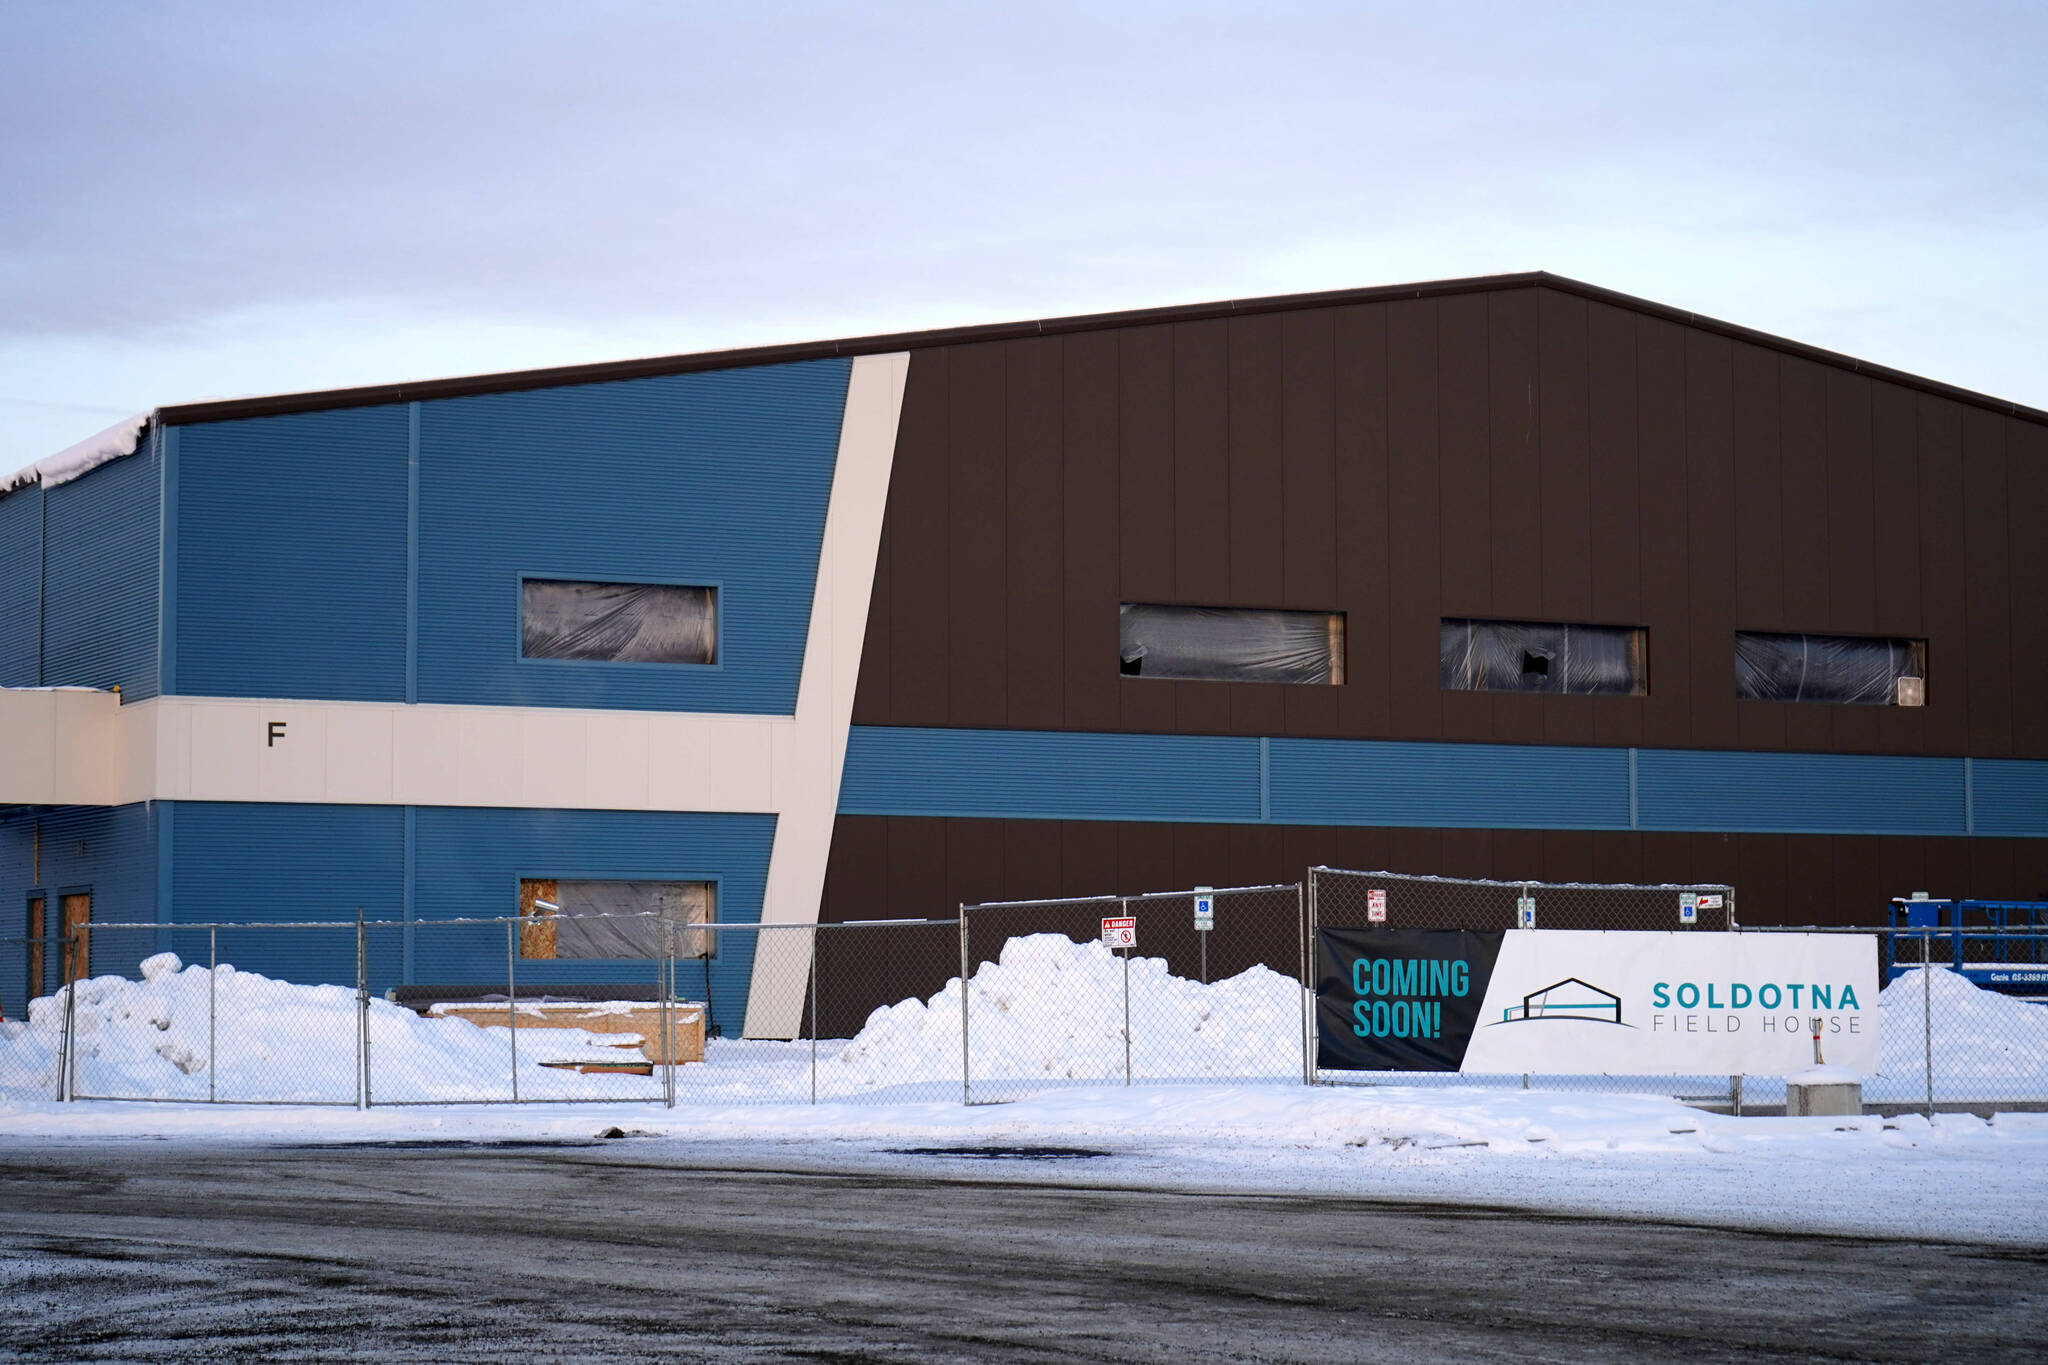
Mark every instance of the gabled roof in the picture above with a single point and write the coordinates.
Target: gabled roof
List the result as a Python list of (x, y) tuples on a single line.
[(514, 380)]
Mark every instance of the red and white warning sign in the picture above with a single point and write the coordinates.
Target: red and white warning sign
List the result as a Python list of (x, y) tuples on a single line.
[(1376, 906), (1121, 933)]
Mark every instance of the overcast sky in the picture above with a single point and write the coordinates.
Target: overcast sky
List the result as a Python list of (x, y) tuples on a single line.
[(204, 199)]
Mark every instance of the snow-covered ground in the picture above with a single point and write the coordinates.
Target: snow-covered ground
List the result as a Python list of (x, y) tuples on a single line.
[(1048, 1035), (1958, 1178)]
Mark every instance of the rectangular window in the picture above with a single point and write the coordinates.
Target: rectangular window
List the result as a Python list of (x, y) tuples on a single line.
[(614, 919), (1230, 644), (1846, 670), (1532, 656), (624, 623)]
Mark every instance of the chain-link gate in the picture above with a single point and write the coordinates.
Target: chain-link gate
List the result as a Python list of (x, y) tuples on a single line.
[(1047, 1002), (1955, 1032), (1341, 899)]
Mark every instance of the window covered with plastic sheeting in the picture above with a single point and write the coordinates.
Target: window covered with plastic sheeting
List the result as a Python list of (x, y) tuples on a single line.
[(1850, 670), (614, 919), (1230, 644), (1542, 656), (637, 623)]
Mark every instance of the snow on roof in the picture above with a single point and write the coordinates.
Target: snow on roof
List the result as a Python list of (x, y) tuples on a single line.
[(118, 440)]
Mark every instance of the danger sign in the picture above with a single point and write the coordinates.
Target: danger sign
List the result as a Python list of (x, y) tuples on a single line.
[(1120, 933), (1376, 907)]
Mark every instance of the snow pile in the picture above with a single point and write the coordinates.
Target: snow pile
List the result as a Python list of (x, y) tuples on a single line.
[(281, 1042), (1051, 1009), (74, 461), (1986, 1045)]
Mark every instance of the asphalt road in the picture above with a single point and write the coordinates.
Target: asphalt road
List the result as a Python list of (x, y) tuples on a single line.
[(628, 1252)]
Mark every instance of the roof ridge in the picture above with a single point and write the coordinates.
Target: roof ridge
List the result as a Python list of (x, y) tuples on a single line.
[(509, 381)]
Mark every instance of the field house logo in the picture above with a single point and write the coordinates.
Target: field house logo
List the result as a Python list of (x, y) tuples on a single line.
[(1571, 998)]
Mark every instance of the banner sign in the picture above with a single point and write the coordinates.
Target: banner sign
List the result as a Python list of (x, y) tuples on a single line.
[(1590, 1002)]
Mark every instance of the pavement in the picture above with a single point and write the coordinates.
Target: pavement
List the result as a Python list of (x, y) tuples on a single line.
[(660, 1250)]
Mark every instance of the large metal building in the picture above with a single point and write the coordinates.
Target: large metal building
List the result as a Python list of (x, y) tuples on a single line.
[(1509, 576)]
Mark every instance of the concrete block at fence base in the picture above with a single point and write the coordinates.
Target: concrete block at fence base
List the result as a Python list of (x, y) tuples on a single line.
[(1823, 1090)]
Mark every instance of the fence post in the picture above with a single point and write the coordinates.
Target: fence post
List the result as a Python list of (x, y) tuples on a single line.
[(512, 997), (67, 1069), (1310, 1042), (814, 1015), (1123, 909), (1927, 1012), (212, 1012), (665, 982), (966, 1090), (1301, 952), (362, 1013)]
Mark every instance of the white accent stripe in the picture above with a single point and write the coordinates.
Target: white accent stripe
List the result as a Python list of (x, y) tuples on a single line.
[(816, 746)]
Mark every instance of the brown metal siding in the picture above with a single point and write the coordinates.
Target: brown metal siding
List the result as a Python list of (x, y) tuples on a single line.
[(1307, 441), (1523, 453), (1364, 518), (2027, 522), (1616, 500), (932, 866), (1414, 498), (1089, 541), (1759, 546)]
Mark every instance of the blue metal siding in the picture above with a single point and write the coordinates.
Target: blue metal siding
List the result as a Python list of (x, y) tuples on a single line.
[(263, 864), (291, 556), (1011, 774), (17, 880), (2011, 797), (718, 478), (1768, 793), (107, 850), (1492, 786), (21, 587), (470, 862), (1048, 775), (100, 561)]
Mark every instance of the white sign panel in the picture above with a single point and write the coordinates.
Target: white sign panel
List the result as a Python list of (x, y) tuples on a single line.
[(1120, 933), (1376, 906), (1587, 1002), (1205, 909)]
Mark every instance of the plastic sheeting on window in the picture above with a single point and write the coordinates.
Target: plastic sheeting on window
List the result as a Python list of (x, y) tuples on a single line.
[(1230, 644), (605, 919), (646, 623), (1842, 669), (1523, 656)]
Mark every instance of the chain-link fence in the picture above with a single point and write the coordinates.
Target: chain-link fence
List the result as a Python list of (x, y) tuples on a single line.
[(1008, 1000), (1344, 900), (482, 1011), (1962, 1020), (1341, 899), (31, 1032), (1048, 1002)]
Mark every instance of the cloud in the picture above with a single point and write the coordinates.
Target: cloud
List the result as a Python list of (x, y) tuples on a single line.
[(627, 169)]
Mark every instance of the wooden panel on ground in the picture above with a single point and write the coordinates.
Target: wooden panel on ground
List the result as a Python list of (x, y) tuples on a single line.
[(634, 1024)]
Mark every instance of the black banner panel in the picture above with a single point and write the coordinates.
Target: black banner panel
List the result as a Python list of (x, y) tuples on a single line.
[(1399, 999)]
